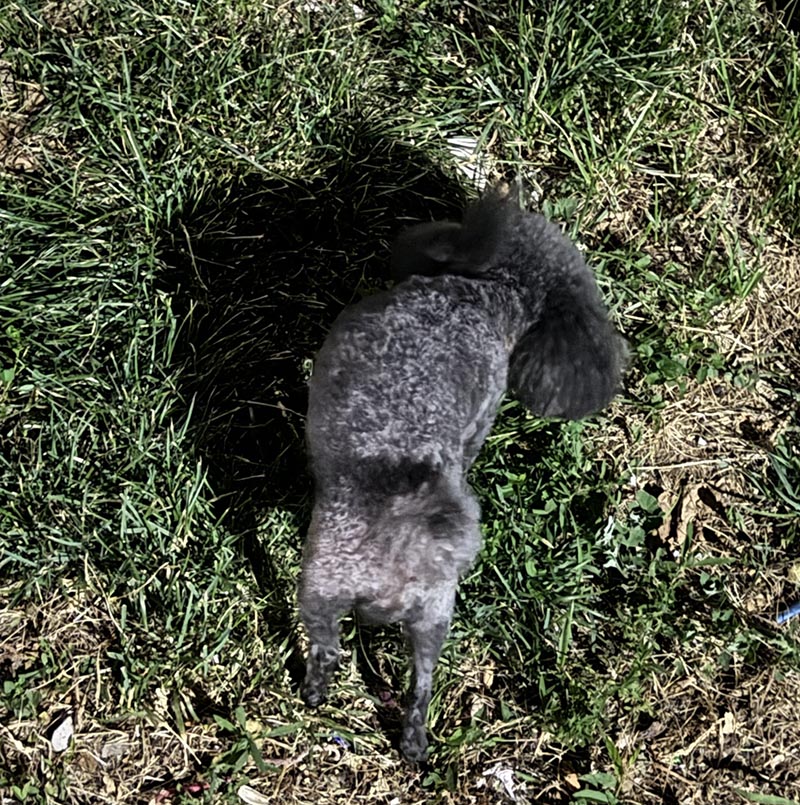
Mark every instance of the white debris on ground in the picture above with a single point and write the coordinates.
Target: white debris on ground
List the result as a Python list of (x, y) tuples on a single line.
[(250, 796), (62, 734), (470, 160), (501, 778)]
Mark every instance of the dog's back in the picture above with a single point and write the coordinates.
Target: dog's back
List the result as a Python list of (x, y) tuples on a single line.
[(403, 376)]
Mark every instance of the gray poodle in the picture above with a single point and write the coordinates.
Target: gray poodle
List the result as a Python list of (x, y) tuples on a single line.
[(403, 394)]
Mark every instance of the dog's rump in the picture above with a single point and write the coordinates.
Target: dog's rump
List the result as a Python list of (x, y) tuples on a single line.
[(386, 532)]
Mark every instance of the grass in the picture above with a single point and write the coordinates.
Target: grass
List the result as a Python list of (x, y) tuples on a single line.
[(191, 193)]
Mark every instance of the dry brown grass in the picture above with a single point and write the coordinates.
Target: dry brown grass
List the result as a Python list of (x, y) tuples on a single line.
[(717, 732), (21, 145)]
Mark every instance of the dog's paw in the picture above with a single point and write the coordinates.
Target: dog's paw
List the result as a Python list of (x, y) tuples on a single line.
[(313, 695), (414, 744)]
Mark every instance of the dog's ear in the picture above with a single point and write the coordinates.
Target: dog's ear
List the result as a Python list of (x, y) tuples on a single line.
[(570, 362), (487, 223), (425, 249), (444, 247)]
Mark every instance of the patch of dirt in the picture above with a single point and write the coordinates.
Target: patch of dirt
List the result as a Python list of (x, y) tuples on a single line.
[(70, 17), (62, 645), (24, 149), (764, 328), (19, 104), (722, 430)]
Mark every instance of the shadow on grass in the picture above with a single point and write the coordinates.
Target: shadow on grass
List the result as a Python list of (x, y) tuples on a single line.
[(386, 684), (258, 268)]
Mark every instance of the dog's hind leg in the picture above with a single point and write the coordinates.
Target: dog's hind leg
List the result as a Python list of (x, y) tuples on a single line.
[(321, 618), (426, 634)]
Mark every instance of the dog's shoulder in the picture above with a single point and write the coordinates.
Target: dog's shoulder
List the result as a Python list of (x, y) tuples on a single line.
[(415, 306)]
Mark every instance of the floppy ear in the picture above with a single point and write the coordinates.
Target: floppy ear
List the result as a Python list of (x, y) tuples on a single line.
[(467, 249), (570, 363), (425, 249)]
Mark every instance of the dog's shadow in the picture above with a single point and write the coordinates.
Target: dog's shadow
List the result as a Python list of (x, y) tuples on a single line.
[(257, 269)]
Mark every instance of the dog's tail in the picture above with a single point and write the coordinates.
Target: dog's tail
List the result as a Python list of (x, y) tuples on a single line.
[(432, 529)]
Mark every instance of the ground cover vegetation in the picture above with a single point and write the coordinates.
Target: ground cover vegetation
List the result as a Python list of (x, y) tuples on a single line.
[(190, 194)]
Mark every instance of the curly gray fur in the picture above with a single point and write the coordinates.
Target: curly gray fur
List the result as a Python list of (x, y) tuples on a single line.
[(404, 392)]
